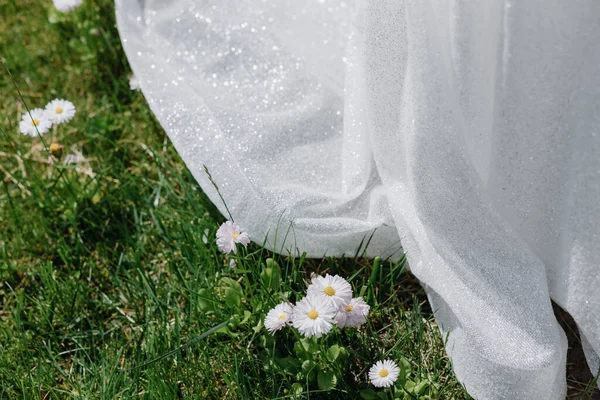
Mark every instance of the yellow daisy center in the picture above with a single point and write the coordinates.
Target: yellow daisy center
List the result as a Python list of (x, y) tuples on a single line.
[(329, 291), (313, 314), (383, 373), (35, 122), (59, 110), (349, 308), (235, 235), (282, 317)]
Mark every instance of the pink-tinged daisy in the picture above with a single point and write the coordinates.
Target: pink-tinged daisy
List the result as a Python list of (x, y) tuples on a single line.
[(59, 111), (335, 287), (278, 317), (313, 315), (384, 373), (34, 122), (353, 314), (228, 235), (67, 5)]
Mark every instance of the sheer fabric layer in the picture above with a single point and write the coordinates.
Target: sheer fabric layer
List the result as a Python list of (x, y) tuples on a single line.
[(469, 130)]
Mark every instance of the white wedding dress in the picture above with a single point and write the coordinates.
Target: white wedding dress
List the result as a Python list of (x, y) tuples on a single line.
[(469, 131)]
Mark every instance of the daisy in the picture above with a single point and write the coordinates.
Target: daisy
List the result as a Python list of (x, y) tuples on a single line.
[(67, 5), (134, 83), (278, 317), (228, 235), (74, 159), (59, 111), (335, 287), (34, 122), (313, 315), (384, 373), (354, 314)]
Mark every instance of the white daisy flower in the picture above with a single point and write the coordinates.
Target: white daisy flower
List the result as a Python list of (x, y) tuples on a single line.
[(384, 373), (228, 235), (35, 121), (335, 287), (74, 159), (278, 317), (354, 314), (59, 111), (67, 5), (134, 83), (313, 315)]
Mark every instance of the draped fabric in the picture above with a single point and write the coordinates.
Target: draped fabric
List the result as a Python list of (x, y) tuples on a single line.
[(467, 131)]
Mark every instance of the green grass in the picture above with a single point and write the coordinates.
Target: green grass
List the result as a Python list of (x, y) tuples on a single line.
[(108, 286)]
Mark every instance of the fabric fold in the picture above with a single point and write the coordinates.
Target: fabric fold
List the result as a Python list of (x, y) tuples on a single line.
[(467, 131)]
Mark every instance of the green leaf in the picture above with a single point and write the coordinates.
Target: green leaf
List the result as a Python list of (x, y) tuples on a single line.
[(344, 356), (326, 380), (256, 328), (232, 292), (368, 394), (247, 316), (289, 365), (297, 389), (310, 345), (226, 330), (309, 370), (205, 301), (271, 275), (266, 341), (421, 387), (404, 371), (334, 352), (307, 367), (300, 352)]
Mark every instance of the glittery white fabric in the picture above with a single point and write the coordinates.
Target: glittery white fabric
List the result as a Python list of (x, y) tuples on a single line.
[(469, 130)]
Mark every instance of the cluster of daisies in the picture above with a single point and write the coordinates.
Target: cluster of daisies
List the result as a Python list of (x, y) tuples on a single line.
[(329, 301), (40, 120)]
